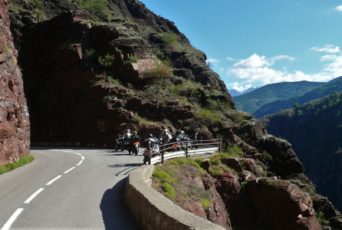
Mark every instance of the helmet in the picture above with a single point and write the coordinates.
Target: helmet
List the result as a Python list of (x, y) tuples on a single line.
[(182, 132), (150, 135)]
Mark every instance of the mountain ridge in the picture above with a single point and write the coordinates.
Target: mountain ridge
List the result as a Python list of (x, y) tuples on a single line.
[(251, 102), (325, 89)]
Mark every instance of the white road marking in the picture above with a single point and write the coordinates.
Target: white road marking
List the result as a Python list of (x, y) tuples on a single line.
[(82, 158), (67, 171), (53, 180), (33, 196), (11, 220), (79, 163)]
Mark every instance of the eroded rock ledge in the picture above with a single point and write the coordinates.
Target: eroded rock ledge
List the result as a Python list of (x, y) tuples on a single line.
[(14, 117)]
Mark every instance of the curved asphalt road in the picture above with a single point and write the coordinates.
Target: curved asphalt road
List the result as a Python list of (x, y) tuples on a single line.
[(50, 193)]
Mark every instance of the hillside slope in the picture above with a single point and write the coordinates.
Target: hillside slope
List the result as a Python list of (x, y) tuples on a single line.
[(251, 102), (14, 120), (103, 68), (315, 131), (325, 89)]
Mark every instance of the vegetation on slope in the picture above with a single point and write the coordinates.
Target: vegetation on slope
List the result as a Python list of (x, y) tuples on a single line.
[(251, 102), (315, 130), (23, 160), (324, 90)]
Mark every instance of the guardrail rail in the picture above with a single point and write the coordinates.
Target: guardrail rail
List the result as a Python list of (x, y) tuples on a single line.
[(187, 149)]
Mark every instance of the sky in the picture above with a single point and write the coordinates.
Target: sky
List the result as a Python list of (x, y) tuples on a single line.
[(253, 43)]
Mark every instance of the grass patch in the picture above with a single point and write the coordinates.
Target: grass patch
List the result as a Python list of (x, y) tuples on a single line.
[(161, 69), (205, 203), (217, 168), (233, 151), (168, 38), (132, 59), (186, 161), (115, 81), (163, 176), (23, 160), (169, 191), (209, 116), (97, 7), (106, 60)]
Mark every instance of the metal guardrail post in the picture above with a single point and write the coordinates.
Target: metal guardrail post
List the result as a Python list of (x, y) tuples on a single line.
[(162, 156), (186, 149), (220, 145)]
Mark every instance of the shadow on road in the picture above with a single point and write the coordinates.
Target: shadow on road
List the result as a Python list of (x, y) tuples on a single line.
[(124, 165), (115, 213)]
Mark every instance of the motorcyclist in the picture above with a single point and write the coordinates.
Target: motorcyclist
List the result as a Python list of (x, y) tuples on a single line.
[(182, 139), (182, 136), (153, 143), (165, 136), (152, 148), (127, 138), (134, 139), (119, 143)]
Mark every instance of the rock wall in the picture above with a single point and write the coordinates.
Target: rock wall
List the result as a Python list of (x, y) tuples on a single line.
[(14, 117)]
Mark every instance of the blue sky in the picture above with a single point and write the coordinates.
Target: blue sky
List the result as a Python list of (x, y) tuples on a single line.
[(253, 43)]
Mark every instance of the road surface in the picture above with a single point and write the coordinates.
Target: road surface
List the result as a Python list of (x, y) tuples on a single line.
[(68, 189)]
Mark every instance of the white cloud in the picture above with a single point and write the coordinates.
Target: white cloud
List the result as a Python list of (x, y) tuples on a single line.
[(240, 86), (281, 58), (257, 70), (338, 8), (212, 61), (329, 49), (228, 58)]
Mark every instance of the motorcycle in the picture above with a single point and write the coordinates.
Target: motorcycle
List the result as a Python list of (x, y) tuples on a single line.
[(135, 147)]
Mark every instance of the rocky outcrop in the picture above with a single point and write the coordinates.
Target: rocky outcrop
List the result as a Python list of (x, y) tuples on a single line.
[(14, 118), (93, 78), (315, 132)]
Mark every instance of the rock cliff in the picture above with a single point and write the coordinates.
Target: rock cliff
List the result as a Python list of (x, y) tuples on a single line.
[(93, 77), (14, 118)]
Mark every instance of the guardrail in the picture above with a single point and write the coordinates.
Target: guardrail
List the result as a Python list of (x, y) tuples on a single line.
[(187, 148)]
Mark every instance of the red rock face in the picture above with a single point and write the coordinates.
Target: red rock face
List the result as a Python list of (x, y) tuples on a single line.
[(14, 118)]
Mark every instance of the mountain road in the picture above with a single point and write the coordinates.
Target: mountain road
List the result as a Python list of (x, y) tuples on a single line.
[(68, 189)]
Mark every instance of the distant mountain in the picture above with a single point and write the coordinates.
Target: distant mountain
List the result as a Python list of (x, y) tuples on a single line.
[(234, 92), (315, 131), (251, 102), (323, 90), (249, 90)]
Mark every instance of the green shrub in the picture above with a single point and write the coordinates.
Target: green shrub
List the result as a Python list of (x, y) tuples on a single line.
[(209, 116), (216, 170), (132, 59), (163, 176), (205, 203), (161, 69), (322, 219), (97, 7), (89, 53), (114, 81), (106, 60), (22, 161), (169, 191), (234, 151), (186, 161), (168, 38)]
